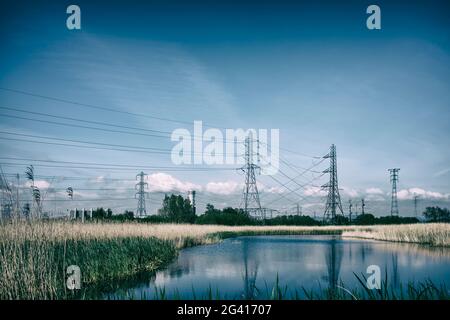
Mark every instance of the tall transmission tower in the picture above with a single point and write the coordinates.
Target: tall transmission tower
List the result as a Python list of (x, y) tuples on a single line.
[(250, 198), (394, 179), (141, 194), (363, 205), (333, 199)]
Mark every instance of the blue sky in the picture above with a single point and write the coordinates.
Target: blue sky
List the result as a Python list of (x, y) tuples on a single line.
[(312, 70)]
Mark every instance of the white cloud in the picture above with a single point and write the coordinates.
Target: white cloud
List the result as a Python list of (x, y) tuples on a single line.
[(233, 187), (374, 191), (349, 192), (223, 188), (164, 182), (41, 184), (273, 189), (315, 192), (408, 194), (375, 197)]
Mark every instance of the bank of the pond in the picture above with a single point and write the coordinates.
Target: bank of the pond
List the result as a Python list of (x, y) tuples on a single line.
[(34, 256), (34, 269)]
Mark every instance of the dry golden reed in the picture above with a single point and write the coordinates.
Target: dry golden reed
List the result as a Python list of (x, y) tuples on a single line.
[(31, 268)]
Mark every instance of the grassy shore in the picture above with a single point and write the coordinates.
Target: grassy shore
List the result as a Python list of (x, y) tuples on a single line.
[(434, 234), (34, 256)]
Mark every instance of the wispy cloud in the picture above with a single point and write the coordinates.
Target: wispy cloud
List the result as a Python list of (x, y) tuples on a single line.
[(374, 191), (223, 188), (442, 172), (408, 194), (315, 192)]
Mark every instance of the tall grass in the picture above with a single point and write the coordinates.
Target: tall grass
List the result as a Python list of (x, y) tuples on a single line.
[(435, 234), (34, 258), (34, 255)]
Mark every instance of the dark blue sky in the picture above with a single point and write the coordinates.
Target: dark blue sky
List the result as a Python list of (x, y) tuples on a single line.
[(313, 70)]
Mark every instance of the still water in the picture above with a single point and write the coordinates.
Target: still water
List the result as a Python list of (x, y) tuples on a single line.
[(247, 267)]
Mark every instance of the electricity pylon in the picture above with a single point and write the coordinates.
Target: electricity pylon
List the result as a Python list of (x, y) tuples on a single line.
[(250, 197), (333, 199), (142, 194), (394, 179)]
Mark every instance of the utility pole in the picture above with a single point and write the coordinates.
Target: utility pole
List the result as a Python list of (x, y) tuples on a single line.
[(17, 196), (141, 193), (250, 197), (69, 191), (350, 210), (299, 210), (394, 179), (333, 198), (363, 205), (416, 200), (191, 195)]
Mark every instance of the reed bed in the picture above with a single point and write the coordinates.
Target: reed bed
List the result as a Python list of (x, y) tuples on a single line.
[(434, 234), (34, 255)]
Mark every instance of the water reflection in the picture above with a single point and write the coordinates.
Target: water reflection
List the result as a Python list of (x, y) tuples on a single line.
[(248, 267), (333, 258), (250, 273), (395, 275)]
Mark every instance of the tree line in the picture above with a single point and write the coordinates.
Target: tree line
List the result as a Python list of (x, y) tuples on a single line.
[(177, 209)]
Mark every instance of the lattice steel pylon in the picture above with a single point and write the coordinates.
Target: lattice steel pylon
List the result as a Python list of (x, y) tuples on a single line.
[(142, 194), (333, 198), (394, 180), (250, 198)]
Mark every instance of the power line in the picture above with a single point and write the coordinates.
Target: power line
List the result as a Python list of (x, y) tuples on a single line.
[(293, 179), (296, 189), (294, 152), (126, 166), (166, 135), (91, 106), (81, 141), (173, 169), (72, 178), (79, 146), (118, 126), (84, 121), (137, 149)]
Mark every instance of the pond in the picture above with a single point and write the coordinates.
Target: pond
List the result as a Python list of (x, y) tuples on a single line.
[(250, 267)]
